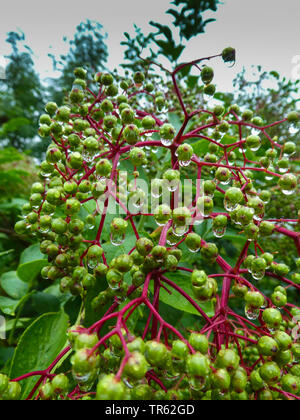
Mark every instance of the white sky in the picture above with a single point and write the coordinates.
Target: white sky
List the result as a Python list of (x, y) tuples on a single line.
[(265, 32)]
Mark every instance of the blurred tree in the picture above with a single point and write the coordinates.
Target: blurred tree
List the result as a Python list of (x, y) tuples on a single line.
[(188, 19), (270, 95), (86, 49), (21, 98), (17, 173)]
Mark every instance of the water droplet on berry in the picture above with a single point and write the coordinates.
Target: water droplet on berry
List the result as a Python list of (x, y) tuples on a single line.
[(88, 156), (171, 241), (45, 174), (82, 379), (229, 206), (225, 182), (179, 231), (117, 239), (92, 263), (255, 149), (172, 186), (127, 384), (288, 192), (90, 226), (255, 131), (44, 229), (184, 163), (166, 143), (268, 176), (219, 233), (251, 313), (258, 275), (293, 129), (194, 251)]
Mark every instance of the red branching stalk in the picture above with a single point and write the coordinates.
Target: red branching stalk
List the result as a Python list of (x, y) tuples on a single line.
[(222, 323)]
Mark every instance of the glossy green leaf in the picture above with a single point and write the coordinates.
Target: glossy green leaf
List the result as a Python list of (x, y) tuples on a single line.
[(39, 345), (29, 271), (31, 253), (12, 285), (8, 306), (176, 300)]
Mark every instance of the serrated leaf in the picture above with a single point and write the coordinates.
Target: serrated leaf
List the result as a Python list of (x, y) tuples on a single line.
[(39, 345)]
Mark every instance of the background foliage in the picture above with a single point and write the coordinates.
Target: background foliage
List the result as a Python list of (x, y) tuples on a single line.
[(25, 298)]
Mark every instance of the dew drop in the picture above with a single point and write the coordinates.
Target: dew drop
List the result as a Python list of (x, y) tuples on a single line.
[(258, 275), (225, 182), (89, 156), (255, 149), (92, 263), (230, 206), (193, 251), (258, 217), (288, 192), (44, 229), (251, 313), (293, 130), (117, 240), (179, 231), (269, 177), (184, 163), (219, 233), (82, 379), (127, 384), (166, 143), (45, 174), (255, 131), (172, 186)]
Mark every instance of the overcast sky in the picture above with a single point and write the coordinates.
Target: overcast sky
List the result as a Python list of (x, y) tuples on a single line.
[(265, 32)]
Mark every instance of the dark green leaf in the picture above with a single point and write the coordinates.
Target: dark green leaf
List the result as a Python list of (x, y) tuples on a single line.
[(176, 300), (38, 347), (13, 286)]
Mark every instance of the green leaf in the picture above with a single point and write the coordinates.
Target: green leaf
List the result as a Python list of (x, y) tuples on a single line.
[(21, 323), (112, 251), (16, 204), (6, 353), (175, 120), (8, 306), (13, 286), (29, 271), (200, 147), (192, 81), (31, 253), (39, 345), (44, 302), (31, 263), (177, 301)]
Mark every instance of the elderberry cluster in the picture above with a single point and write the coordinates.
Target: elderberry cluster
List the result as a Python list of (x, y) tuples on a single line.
[(111, 123)]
